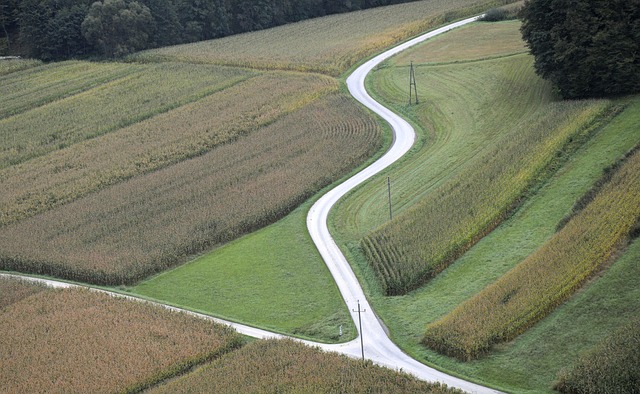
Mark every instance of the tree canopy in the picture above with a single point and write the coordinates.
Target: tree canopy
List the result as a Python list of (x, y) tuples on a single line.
[(587, 48)]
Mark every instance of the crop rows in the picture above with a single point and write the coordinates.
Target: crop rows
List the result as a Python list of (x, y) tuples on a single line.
[(422, 241), (549, 276), (285, 366), (193, 129), (153, 89), (82, 341), (329, 45), (153, 221), (37, 86)]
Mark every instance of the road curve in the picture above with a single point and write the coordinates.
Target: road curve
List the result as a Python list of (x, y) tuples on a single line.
[(377, 345)]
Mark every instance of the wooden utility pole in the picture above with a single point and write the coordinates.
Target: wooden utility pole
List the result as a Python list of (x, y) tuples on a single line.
[(360, 323), (412, 85)]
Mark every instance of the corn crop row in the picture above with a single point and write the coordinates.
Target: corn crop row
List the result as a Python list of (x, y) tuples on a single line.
[(546, 278)]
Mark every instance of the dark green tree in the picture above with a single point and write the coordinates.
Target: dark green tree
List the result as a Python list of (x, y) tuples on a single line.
[(8, 24), (587, 48), (118, 27)]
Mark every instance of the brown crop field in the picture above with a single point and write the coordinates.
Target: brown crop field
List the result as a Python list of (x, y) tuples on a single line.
[(153, 221), (67, 174), (106, 107), (329, 45), (83, 341), (12, 291), (549, 276), (285, 366)]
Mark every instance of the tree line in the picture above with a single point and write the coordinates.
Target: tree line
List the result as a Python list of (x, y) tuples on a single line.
[(62, 29)]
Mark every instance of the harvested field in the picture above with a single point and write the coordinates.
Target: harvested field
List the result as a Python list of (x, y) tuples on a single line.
[(549, 276), (193, 129), (139, 94), (329, 45), (151, 222), (83, 341), (285, 366)]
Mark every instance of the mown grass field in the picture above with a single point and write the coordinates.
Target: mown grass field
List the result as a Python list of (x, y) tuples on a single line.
[(82, 341), (328, 45)]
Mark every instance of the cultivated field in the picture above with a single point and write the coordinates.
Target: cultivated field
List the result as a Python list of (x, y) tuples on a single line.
[(284, 366), (12, 65), (12, 291), (548, 277), (515, 148), (328, 45), (151, 222), (81, 341)]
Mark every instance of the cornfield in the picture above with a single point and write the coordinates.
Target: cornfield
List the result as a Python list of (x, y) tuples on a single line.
[(530, 137), (328, 45), (151, 222), (83, 341), (549, 276), (12, 291), (285, 366)]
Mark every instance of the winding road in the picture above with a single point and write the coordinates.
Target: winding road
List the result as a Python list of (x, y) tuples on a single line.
[(373, 338)]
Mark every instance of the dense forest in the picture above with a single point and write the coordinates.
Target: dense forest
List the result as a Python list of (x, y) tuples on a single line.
[(63, 29)]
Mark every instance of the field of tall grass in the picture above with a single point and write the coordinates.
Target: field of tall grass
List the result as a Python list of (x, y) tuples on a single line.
[(83, 341), (516, 147), (153, 221), (328, 45), (285, 366)]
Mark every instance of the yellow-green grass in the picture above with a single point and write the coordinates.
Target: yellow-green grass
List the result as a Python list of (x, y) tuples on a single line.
[(8, 66), (285, 366), (545, 279), (613, 366), (82, 341), (152, 90), (190, 130), (330, 44), (153, 221), (273, 279), (498, 131), (34, 87)]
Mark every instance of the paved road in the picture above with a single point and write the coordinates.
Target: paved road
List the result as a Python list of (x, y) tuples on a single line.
[(376, 343)]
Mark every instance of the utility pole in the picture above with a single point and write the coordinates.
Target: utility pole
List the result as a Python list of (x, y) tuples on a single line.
[(360, 323), (389, 190), (412, 85)]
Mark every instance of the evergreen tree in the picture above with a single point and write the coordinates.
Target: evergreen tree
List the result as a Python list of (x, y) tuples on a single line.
[(587, 48)]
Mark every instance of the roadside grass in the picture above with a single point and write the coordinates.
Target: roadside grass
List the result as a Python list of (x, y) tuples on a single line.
[(328, 45), (272, 279)]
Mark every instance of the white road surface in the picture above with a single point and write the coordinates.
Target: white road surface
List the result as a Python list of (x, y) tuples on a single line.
[(375, 342)]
